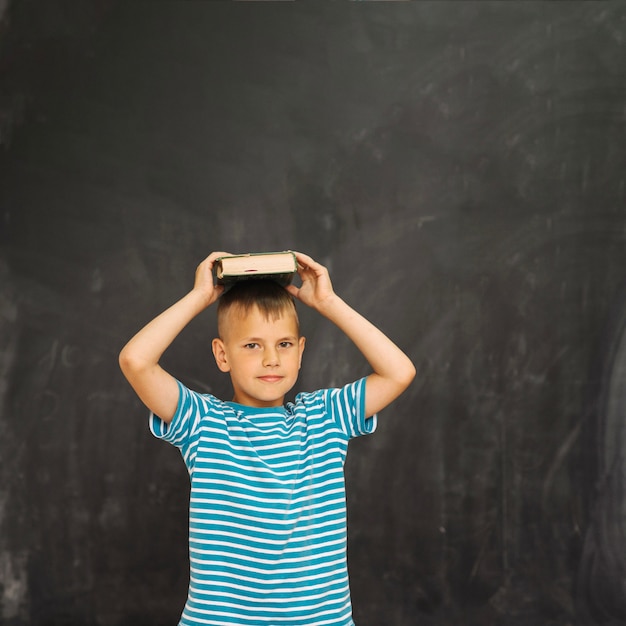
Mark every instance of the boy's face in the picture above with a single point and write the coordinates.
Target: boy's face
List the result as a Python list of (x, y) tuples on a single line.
[(263, 355)]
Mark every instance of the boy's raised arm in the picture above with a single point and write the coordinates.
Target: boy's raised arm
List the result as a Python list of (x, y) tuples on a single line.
[(393, 370), (139, 359)]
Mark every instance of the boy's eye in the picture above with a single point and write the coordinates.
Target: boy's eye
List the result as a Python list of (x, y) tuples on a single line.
[(251, 346), (285, 344)]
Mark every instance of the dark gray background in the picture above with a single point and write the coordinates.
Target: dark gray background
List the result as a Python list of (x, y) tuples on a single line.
[(460, 169)]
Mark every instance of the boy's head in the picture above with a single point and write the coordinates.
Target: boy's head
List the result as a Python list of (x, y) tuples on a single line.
[(265, 295), (259, 341)]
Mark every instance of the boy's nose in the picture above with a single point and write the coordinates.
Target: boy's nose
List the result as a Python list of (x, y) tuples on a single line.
[(270, 357)]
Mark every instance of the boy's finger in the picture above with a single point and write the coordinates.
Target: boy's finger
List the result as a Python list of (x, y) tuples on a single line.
[(305, 260), (216, 255), (292, 290)]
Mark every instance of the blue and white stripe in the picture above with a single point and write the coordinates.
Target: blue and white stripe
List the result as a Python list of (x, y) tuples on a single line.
[(267, 510)]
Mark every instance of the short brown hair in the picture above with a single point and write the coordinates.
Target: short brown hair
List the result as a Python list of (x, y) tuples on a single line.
[(268, 296)]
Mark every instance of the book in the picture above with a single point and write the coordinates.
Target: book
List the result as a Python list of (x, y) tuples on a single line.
[(278, 266)]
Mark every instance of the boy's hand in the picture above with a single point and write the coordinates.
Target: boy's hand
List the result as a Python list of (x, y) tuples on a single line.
[(204, 283), (316, 288)]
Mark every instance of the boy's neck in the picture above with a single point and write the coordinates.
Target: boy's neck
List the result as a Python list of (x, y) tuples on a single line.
[(259, 405)]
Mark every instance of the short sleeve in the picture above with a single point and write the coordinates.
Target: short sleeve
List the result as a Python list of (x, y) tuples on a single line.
[(346, 405), (184, 425)]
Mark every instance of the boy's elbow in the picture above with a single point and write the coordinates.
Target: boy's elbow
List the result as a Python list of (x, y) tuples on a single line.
[(408, 374), (128, 362), (124, 360)]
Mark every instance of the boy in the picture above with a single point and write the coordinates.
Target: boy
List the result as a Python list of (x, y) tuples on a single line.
[(267, 528)]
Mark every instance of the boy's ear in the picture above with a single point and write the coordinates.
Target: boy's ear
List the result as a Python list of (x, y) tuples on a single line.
[(301, 343), (219, 352)]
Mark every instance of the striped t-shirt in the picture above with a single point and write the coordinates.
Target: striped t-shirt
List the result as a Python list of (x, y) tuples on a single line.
[(267, 511)]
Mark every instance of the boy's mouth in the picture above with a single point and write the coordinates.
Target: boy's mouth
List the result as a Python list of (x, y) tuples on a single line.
[(270, 378)]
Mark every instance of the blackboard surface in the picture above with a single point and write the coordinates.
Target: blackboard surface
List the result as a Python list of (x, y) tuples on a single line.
[(459, 167)]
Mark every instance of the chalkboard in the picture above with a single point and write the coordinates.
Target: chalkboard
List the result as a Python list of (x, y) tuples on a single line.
[(600, 581), (459, 167)]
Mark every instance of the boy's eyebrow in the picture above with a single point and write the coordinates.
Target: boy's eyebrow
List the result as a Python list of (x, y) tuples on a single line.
[(264, 339)]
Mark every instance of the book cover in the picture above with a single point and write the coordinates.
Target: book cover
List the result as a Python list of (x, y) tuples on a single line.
[(278, 266)]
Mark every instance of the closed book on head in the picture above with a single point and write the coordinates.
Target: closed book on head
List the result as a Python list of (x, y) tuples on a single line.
[(278, 266)]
